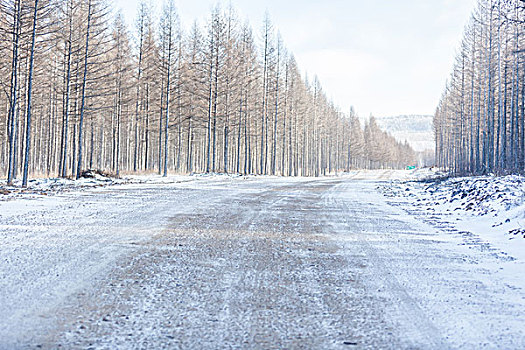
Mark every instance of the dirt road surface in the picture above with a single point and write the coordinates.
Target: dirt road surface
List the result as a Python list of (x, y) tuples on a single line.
[(262, 263)]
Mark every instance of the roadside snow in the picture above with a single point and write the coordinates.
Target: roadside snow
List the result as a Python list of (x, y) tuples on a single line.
[(52, 186), (46, 186), (489, 211)]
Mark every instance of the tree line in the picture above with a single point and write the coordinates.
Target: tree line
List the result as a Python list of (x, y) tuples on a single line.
[(479, 123), (80, 91)]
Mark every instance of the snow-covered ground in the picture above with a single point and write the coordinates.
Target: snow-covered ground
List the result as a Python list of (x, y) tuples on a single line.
[(253, 262), (50, 186), (491, 208)]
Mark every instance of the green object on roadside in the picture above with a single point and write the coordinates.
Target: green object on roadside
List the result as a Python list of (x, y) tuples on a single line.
[(411, 167)]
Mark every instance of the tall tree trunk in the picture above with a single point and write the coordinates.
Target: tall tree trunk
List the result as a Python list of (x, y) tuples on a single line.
[(12, 122), (83, 103), (29, 96), (167, 115)]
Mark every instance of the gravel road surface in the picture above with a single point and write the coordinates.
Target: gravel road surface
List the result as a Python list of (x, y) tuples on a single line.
[(262, 263)]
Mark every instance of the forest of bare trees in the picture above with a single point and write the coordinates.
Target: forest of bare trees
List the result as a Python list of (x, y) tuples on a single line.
[(480, 121), (80, 91)]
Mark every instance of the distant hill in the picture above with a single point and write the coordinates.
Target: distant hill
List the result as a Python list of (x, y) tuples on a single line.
[(416, 129)]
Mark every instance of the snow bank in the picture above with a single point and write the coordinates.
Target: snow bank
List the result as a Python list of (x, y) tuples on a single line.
[(491, 207), (92, 179), (44, 187)]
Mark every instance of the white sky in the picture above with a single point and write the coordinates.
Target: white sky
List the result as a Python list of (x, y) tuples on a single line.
[(384, 57)]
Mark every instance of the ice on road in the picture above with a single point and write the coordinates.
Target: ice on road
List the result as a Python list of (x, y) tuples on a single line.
[(247, 263)]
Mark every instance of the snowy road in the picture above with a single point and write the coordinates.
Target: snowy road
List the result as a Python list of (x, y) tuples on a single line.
[(247, 263)]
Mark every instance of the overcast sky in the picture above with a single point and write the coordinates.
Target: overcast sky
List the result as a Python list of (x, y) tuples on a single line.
[(383, 57)]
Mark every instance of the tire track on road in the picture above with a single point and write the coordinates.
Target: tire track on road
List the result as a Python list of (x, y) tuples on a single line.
[(412, 317)]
